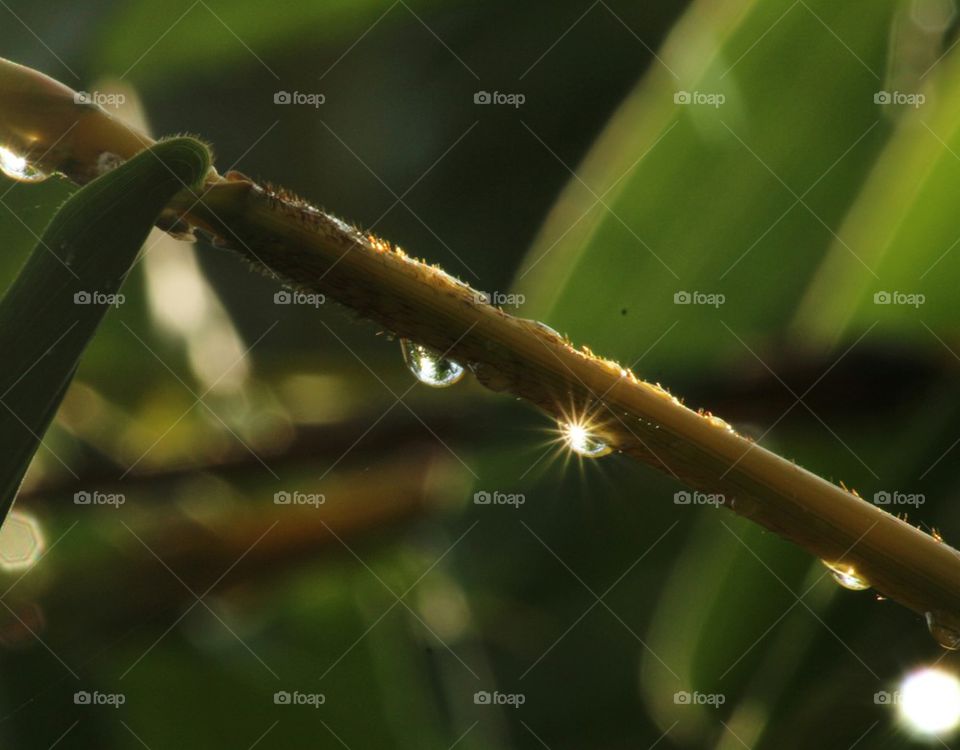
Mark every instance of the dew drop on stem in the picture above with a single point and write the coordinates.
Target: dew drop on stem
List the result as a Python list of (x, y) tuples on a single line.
[(947, 636), (581, 440), (428, 366), (847, 576), (17, 167)]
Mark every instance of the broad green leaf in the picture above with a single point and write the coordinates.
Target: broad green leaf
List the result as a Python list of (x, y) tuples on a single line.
[(53, 308), (702, 196)]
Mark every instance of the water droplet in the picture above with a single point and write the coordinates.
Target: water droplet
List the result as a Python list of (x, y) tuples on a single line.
[(948, 637), (663, 393), (548, 330), (582, 441), (429, 367), (491, 377), (18, 168), (719, 423), (847, 576)]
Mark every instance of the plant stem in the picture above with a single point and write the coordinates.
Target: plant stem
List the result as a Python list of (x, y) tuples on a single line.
[(304, 248), (311, 251)]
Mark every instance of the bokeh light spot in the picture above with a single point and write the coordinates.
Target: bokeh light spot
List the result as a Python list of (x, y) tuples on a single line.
[(929, 701), (21, 541)]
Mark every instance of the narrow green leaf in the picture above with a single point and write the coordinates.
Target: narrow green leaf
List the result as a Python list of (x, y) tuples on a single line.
[(53, 308), (904, 226)]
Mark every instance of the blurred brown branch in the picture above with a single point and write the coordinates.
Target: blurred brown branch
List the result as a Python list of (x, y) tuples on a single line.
[(203, 538)]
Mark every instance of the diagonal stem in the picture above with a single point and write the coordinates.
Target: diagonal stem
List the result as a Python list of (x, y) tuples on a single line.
[(283, 236)]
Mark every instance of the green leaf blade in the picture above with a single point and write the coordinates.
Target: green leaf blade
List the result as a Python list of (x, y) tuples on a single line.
[(53, 308)]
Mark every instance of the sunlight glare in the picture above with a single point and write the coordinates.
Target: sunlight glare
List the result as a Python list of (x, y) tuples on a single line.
[(581, 439)]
